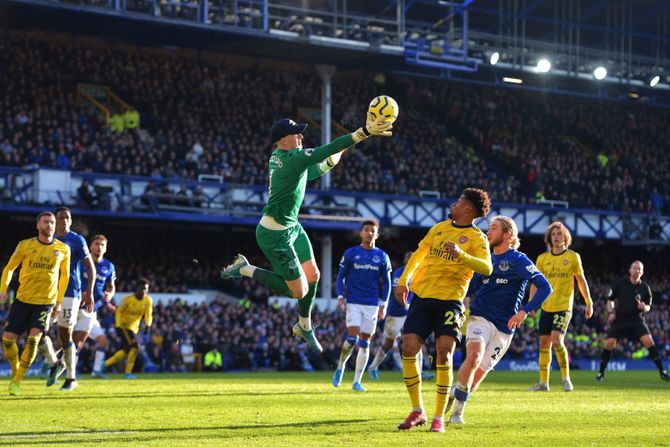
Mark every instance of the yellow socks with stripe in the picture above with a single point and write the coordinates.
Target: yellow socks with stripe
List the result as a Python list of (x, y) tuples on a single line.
[(443, 387), (412, 377), (119, 355), (545, 364), (132, 355), (27, 357), (12, 353), (563, 362)]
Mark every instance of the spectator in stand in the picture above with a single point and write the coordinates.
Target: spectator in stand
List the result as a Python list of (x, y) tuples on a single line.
[(213, 360), (86, 195), (503, 140)]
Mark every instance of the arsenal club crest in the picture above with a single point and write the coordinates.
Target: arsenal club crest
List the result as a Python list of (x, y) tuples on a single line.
[(462, 240)]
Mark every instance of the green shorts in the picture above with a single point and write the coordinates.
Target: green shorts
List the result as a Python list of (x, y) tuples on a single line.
[(285, 249)]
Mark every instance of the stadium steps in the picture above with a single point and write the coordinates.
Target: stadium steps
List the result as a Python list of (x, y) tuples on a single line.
[(102, 99)]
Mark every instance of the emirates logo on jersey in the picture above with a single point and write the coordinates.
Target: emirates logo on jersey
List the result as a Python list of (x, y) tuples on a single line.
[(462, 239)]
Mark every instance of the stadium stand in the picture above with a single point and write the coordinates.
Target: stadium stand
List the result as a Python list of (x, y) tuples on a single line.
[(521, 148)]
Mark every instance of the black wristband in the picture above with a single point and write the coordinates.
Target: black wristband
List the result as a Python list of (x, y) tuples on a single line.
[(365, 131)]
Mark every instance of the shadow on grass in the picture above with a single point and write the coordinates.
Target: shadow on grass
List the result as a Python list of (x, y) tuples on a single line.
[(136, 434), (162, 395)]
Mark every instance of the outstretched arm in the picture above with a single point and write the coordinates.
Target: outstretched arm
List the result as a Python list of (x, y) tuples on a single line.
[(317, 170), (377, 127)]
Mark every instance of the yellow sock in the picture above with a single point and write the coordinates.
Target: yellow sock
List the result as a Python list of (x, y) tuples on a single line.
[(562, 358), (27, 357), (443, 385), (412, 377), (545, 364), (12, 353), (119, 355), (132, 355)]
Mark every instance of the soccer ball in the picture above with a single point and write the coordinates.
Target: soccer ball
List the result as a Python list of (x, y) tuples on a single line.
[(384, 106)]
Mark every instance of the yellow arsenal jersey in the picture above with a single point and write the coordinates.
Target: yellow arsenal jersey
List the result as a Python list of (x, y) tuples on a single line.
[(129, 314), (45, 271), (436, 273), (560, 270)]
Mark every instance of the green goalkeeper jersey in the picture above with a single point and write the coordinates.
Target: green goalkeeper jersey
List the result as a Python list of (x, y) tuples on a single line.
[(289, 172)]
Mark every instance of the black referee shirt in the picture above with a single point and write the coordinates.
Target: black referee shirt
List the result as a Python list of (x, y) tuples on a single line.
[(625, 295)]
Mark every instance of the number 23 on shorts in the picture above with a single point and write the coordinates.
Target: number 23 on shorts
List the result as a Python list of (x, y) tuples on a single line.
[(560, 321)]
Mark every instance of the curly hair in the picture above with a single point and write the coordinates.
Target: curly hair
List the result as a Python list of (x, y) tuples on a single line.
[(567, 237), (479, 199)]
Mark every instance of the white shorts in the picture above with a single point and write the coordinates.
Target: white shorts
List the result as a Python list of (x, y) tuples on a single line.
[(495, 341), (85, 321), (96, 329), (67, 317), (393, 326), (362, 316)]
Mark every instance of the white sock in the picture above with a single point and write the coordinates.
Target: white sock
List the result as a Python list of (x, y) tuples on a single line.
[(248, 271), (99, 360), (345, 354), (47, 350), (361, 362), (70, 357), (379, 358), (397, 358), (305, 323), (459, 406)]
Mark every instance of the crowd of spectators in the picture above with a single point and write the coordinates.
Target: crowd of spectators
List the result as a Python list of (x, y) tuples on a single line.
[(204, 114), (252, 335)]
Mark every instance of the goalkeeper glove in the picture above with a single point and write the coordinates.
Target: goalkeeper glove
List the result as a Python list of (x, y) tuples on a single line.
[(373, 127)]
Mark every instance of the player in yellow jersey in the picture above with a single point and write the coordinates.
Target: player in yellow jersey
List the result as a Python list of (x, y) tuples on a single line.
[(128, 318), (440, 270), (560, 266), (45, 272)]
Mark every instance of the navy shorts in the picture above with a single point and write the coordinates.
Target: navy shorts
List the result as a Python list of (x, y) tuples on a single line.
[(23, 317), (430, 315)]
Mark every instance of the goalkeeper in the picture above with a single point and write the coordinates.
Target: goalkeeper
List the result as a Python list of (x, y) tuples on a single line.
[(279, 234)]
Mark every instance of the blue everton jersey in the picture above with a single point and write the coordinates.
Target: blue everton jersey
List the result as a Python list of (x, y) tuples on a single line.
[(498, 297), (105, 272), (79, 251), (360, 272), (396, 309)]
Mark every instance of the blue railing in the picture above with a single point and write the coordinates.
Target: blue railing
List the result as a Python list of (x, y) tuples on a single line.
[(125, 196)]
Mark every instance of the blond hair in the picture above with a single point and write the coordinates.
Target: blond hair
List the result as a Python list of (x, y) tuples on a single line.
[(509, 226)]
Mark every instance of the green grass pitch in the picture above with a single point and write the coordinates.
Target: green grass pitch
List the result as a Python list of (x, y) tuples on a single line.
[(303, 409)]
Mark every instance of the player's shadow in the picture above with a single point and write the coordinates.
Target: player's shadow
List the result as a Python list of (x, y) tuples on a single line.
[(32, 437), (162, 395)]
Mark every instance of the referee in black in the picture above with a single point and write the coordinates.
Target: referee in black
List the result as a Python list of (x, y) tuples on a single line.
[(629, 299)]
